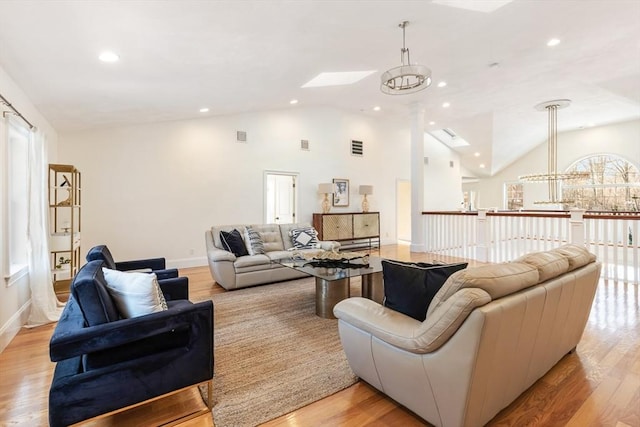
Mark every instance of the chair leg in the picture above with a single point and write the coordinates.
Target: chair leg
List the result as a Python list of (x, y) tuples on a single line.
[(210, 395)]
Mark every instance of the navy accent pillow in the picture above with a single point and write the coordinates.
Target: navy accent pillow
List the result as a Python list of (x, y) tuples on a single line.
[(232, 242), (410, 287)]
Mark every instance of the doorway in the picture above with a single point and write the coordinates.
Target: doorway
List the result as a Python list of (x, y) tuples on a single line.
[(280, 201)]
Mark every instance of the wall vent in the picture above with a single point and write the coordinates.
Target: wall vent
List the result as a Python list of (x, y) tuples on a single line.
[(357, 148), (241, 136), (304, 144)]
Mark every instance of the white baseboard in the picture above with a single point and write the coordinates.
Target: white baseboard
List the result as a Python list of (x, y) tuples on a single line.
[(187, 262), (10, 329)]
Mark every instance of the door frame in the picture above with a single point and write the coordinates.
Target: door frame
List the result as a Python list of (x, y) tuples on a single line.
[(265, 175)]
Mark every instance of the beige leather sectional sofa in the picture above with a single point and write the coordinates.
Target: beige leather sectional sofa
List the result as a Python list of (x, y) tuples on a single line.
[(490, 333), (233, 272)]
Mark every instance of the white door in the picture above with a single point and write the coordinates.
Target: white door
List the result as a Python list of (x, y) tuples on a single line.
[(280, 197)]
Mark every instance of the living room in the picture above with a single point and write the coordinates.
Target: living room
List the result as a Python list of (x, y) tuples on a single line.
[(153, 185)]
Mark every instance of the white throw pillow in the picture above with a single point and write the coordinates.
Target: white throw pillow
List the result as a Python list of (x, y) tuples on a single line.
[(135, 294)]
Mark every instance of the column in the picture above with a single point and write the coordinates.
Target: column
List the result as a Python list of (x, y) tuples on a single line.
[(418, 237)]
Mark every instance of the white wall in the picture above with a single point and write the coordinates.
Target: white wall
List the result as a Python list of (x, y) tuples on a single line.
[(153, 189), (442, 182), (622, 139), (15, 299)]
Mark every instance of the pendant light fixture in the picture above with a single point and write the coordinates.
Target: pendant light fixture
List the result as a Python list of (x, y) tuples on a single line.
[(553, 177), (407, 78)]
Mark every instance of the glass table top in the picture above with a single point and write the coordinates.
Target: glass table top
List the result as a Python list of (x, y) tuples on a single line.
[(331, 270)]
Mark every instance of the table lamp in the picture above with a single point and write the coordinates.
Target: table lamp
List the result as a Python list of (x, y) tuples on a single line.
[(365, 190), (326, 189)]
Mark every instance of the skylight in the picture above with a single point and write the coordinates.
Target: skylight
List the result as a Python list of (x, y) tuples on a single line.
[(448, 137), (486, 6), (337, 78)]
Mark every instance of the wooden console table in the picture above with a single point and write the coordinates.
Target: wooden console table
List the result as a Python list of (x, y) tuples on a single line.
[(351, 229)]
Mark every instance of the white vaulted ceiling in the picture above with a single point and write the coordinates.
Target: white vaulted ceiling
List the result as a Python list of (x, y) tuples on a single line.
[(238, 56)]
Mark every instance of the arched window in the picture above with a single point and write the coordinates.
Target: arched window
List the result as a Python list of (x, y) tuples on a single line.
[(613, 184)]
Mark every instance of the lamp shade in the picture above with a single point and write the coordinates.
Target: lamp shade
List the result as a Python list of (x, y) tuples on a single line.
[(365, 190), (326, 188)]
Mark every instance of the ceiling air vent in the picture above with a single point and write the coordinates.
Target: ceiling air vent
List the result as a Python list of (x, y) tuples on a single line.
[(304, 144), (356, 148), (241, 136)]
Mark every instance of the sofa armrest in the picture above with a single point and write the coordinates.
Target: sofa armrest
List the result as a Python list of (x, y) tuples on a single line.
[(405, 332), (176, 288), (168, 273), (216, 254), (72, 343), (140, 264)]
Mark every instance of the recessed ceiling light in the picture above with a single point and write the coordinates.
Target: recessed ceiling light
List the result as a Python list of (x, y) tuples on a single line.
[(446, 105), (476, 154), (376, 108), (337, 79), (108, 57), (442, 84), (204, 110), (432, 123), (293, 102), (553, 42), (481, 165), (591, 124)]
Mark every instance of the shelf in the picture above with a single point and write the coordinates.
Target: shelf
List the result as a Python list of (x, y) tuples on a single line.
[(65, 223)]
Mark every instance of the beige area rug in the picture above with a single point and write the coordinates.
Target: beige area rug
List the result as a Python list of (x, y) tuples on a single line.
[(273, 354)]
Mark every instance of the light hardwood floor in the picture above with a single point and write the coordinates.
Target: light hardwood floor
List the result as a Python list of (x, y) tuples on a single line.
[(599, 385)]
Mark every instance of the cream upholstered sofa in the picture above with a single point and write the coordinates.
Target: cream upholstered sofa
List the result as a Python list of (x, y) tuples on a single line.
[(489, 334), (233, 272)]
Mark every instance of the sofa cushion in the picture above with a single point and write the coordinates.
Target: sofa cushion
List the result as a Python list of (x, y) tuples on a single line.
[(232, 242), (409, 288), (249, 260), (89, 289), (577, 256), (304, 238), (135, 294), (253, 240), (215, 233), (271, 237), (497, 280), (549, 264)]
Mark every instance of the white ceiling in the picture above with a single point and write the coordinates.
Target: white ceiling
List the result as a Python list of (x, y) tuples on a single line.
[(238, 56)]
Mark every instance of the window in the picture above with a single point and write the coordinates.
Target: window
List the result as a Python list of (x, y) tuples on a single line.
[(513, 196), (613, 184), (16, 199)]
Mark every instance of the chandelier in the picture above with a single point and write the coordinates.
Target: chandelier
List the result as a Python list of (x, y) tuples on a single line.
[(553, 177), (406, 78)]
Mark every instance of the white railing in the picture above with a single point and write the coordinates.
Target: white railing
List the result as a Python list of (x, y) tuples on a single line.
[(502, 236)]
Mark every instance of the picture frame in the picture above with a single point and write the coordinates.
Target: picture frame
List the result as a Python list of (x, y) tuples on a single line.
[(341, 196)]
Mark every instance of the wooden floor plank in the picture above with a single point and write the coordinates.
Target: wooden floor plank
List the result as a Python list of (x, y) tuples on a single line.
[(597, 385)]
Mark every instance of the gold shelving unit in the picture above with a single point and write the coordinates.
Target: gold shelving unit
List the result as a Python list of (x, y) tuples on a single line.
[(65, 201)]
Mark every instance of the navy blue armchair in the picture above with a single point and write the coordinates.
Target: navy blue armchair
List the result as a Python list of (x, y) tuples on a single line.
[(173, 287), (106, 363)]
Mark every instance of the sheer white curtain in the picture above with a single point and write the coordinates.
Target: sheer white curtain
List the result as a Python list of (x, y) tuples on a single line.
[(45, 306)]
